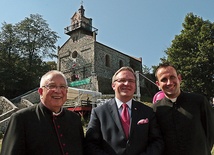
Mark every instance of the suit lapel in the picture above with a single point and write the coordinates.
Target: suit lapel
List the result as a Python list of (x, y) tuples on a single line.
[(134, 116), (115, 115)]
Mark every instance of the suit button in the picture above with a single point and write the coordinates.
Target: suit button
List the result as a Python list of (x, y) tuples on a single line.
[(128, 143)]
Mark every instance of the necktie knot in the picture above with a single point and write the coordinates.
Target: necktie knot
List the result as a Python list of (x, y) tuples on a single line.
[(124, 105)]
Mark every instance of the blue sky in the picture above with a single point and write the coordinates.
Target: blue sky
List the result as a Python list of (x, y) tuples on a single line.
[(140, 28)]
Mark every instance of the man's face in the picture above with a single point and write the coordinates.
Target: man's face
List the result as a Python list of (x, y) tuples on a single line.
[(169, 81), (54, 92), (124, 85)]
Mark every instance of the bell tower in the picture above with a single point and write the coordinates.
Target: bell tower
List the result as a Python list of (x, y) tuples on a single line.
[(80, 25)]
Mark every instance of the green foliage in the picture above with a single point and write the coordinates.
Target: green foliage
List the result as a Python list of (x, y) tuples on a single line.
[(192, 52), (51, 65), (22, 48), (149, 86), (35, 37), (145, 69)]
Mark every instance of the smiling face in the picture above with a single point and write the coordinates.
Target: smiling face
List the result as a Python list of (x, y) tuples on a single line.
[(168, 81), (53, 91), (124, 85)]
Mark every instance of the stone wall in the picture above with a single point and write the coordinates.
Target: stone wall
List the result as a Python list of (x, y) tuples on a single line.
[(101, 51), (3, 124), (7, 108), (5, 105), (76, 57), (84, 57), (32, 97)]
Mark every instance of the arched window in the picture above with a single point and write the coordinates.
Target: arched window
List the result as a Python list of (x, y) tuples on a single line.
[(75, 38), (74, 54), (107, 59), (121, 63)]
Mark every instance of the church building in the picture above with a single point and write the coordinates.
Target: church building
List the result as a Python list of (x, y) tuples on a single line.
[(87, 63)]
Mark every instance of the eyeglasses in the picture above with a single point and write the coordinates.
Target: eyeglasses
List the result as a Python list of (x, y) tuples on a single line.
[(125, 80), (54, 87)]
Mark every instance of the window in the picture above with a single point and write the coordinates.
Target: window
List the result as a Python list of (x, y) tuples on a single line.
[(107, 59), (74, 54), (121, 63), (75, 38)]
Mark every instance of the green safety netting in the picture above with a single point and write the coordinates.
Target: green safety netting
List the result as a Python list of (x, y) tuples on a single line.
[(80, 82)]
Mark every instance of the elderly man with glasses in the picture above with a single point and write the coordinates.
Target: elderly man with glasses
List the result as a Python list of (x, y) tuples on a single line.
[(45, 128)]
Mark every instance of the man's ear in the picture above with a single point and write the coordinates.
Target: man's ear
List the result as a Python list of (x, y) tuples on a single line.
[(113, 86), (40, 91), (179, 77), (157, 83)]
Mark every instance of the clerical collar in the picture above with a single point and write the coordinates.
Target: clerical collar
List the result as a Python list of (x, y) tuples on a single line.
[(173, 99), (57, 114)]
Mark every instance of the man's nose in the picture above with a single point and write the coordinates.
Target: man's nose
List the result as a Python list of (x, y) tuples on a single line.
[(57, 89), (126, 82), (169, 82)]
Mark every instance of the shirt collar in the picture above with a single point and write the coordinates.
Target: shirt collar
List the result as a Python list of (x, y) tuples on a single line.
[(119, 103)]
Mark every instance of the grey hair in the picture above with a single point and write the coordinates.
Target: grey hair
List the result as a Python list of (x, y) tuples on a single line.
[(54, 72)]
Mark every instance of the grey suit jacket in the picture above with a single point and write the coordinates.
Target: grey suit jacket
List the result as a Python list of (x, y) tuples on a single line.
[(105, 134)]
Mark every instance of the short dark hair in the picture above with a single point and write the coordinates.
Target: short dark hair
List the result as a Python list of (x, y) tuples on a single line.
[(164, 65)]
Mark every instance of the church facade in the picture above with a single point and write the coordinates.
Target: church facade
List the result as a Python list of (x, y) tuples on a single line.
[(87, 63)]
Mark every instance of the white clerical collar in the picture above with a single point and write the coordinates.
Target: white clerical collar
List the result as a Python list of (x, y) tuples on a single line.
[(173, 99), (57, 114)]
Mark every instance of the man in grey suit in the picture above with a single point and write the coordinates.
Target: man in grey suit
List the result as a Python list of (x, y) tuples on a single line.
[(106, 134)]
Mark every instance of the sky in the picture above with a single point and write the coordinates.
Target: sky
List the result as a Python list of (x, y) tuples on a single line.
[(139, 28)]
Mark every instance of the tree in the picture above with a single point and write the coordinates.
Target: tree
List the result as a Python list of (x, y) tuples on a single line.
[(192, 52), (149, 87), (36, 39), (52, 65), (22, 49), (9, 59), (145, 69)]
